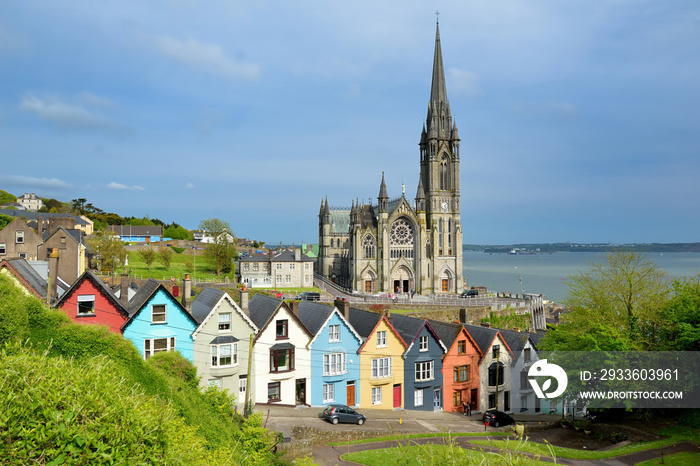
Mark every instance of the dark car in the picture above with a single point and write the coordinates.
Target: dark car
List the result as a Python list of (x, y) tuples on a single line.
[(496, 418), (336, 413), (470, 294), (309, 296)]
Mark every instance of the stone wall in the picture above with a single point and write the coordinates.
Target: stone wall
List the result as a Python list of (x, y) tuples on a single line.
[(304, 438)]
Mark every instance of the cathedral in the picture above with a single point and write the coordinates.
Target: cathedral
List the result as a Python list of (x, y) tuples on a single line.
[(396, 246)]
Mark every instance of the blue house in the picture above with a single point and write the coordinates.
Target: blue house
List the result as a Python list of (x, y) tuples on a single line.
[(335, 364), (138, 233), (422, 363), (158, 322)]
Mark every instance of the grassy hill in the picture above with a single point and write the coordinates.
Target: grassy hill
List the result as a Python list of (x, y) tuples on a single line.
[(78, 394)]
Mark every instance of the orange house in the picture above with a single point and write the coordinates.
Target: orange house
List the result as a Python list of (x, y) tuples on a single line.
[(460, 366)]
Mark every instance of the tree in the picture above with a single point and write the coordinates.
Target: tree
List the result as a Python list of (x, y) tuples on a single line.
[(221, 251), (148, 255), (684, 311), (165, 254), (175, 231), (108, 250), (617, 305)]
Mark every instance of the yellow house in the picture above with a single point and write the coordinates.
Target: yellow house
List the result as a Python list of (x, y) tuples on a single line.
[(381, 367)]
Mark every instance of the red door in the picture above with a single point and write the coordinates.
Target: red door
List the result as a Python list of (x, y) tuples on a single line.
[(397, 396)]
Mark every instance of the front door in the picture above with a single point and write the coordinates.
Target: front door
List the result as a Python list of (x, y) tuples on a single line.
[(351, 393), (437, 399), (301, 392), (397, 396), (445, 286), (474, 399), (506, 401)]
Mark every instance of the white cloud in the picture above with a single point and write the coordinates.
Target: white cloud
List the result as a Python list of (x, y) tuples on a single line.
[(462, 82), (32, 182), (189, 186), (114, 185), (206, 57), (63, 114), (96, 101)]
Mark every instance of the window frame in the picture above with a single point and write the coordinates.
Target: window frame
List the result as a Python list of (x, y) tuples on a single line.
[(217, 355), (274, 360), (423, 343), (19, 237), (334, 333), (461, 373), (86, 298), (224, 322), (461, 346), (381, 368), (328, 393), (376, 396), (3, 249), (495, 351), (149, 348), (425, 371), (154, 314), (334, 364), (273, 386), (418, 397), (282, 324), (381, 339)]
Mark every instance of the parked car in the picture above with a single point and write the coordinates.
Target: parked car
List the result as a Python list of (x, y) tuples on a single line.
[(470, 294), (335, 413), (496, 418), (309, 296)]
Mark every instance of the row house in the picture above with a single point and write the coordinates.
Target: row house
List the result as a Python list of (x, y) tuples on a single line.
[(288, 269), (495, 368)]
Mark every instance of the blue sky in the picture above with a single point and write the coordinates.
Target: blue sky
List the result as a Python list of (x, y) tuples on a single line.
[(580, 121)]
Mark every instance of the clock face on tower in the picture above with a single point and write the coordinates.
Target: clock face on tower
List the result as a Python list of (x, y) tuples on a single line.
[(444, 206)]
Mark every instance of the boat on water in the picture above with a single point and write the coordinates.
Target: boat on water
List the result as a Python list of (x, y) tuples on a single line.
[(521, 252)]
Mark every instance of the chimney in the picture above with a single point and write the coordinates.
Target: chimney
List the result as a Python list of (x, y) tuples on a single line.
[(39, 226), (294, 306), (245, 298), (343, 306), (463, 315), (486, 324), (124, 289), (297, 255), (53, 275), (187, 293)]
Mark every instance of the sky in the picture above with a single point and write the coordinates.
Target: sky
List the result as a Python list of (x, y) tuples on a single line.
[(579, 120)]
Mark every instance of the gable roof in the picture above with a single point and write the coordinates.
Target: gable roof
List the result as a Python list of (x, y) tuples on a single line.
[(26, 274), (449, 332), (210, 299), (100, 285), (391, 328), (144, 294), (342, 317), (484, 337), (314, 314), (261, 308), (75, 235), (410, 328), (363, 321), (516, 340)]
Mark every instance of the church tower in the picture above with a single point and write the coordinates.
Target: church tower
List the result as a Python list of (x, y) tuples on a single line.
[(439, 176)]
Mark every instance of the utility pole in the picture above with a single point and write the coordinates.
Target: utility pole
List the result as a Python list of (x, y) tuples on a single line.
[(249, 379)]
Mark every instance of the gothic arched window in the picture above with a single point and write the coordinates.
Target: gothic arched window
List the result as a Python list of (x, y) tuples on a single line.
[(443, 175), (369, 247)]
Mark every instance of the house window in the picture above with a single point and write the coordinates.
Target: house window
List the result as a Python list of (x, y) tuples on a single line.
[(307, 278), (527, 354), (424, 370), (256, 267), (155, 345), (291, 266), (279, 279), (376, 396), (333, 333), (62, 243), (523, 403), (22, 255), (282, 360), (215, 382), (461, 374), (224, 355), (86, 305), (19, 237), (381, 339), (423, 343), (279, 266), (266, 267), (3, 248), (418, 398), (381, 367), (158, 314), (524, 384), (307, 266), (288, 279), (246, 267), (457, 398), (242, 385), (492, 401), (282, 329), (274, 392), (224, 321), (461, 347), (328, 393), (334, 364), (495, 371), (495, 350)]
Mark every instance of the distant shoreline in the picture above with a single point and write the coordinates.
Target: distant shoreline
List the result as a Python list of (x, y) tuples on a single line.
[(547, 248)]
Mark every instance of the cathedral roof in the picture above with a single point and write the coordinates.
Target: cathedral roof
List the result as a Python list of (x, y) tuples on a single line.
[(382, 189), (438, 90), (340, 221)]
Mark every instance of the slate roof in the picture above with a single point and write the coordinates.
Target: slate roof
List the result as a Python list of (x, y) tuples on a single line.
[(43, 215), (363, 321), (340, 221), (261, 308), (483, 336), (516, 340), (27, 272), (75, 235), (142, 296), (136, 230), (288, 256), (313, 314), (204, 303), (446, 331), (408, 327)]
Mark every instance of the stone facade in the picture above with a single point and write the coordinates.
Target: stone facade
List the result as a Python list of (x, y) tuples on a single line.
[(395, 245), (289, 269), (18, 239)]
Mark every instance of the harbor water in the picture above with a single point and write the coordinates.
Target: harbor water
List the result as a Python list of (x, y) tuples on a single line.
[(548, 274)]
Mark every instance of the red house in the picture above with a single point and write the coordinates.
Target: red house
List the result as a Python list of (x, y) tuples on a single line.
[(90, 301)]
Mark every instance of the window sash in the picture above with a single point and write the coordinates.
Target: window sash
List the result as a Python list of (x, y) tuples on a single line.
[(334, 363), (281, 360), (381, 338), (328, 393), (225, 321), (418, 398), (334, 333), (282, 328), (423, 342), (158, 313), (381, 367), (274, 391), (424, 370), (86, 305), (155, 345), (376, 395)]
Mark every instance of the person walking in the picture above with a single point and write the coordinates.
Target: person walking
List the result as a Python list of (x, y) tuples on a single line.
[(464, 408), (469, 408)]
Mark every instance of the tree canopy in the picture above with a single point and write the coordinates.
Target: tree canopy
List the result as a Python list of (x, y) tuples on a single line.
[(221, 251)]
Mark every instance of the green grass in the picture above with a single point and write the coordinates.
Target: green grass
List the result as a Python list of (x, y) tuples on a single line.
[(412, 436), (677, 459)]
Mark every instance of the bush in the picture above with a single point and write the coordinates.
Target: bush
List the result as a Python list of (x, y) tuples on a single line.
[(175, 365)]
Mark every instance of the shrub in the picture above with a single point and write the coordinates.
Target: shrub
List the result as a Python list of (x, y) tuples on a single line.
[(174, 364)]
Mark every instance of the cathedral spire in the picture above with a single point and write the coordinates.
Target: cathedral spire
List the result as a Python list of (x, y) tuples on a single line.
[(439, 120), (438, 90)]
